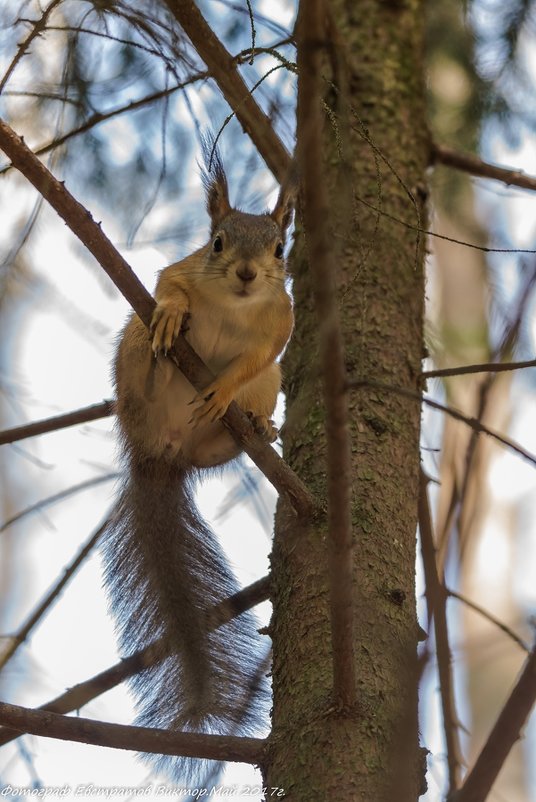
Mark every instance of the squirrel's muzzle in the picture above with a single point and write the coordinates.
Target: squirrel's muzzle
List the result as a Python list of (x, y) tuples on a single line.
[(246, 272)]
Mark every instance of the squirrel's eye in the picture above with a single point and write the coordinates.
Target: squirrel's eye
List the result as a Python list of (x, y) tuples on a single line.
[(217, 245), (279, 250)]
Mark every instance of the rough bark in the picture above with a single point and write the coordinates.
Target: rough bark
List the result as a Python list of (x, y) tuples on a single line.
[(369, 753)]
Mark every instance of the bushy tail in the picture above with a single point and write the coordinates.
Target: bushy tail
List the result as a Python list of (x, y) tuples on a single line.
[(165, 571)]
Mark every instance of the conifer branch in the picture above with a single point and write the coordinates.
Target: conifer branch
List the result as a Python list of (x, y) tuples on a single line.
[(475, 166), (139, 739), (506, 731), (83, 415), (222, 68), (18, 638), (182, 354), (84, 692), (436, 595)]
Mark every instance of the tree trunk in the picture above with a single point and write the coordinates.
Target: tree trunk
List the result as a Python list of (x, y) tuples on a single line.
[(376, 154)]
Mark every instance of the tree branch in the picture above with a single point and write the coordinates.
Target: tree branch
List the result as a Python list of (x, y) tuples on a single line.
[(484, 367), (133, 105), (475, 166), (222, 68), (139, 739), (84, 692), (490, 617), (83, 415), (38, 27), (474, 423), (323, 268), (502, 737), (90, 234), (45, 502), (437, 607), (16, 640)]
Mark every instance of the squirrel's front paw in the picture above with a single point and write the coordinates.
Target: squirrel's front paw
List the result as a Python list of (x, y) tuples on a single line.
[(212, 402), (166, 324)]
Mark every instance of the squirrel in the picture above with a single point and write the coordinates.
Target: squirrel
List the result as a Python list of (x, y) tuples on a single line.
[(163, 565)]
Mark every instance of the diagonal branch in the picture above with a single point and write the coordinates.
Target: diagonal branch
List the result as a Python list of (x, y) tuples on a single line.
[(475, 166), (84, 692), (83, 415), (139, 739), (91, 235), (483, 367), (436, 595), (490, 617), (323, 268), (506, 731), (474, 423), (16, 640), (222, 68)]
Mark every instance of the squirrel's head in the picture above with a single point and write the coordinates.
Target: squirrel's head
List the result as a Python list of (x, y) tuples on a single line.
[(248, 248)]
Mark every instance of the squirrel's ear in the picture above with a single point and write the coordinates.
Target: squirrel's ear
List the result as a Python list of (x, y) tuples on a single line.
[(215, 183), (286, 202)]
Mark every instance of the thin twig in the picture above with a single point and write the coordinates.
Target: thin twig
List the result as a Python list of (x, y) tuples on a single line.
[(83, 415), (18, 638), (475, 166), (484, 367), (90, 234), (490, 617), (38, 27), (437, 607), (45, 502), (84, 692), (448, 410), (223, 70), (506, 731), (133, 105), (139, 739), (323, 268)]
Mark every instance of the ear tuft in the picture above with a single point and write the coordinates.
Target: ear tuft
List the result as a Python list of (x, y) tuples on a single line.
[(215, 182), (286, 201)]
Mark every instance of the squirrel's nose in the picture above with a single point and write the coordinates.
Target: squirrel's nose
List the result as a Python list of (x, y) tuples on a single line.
[(246, 272)]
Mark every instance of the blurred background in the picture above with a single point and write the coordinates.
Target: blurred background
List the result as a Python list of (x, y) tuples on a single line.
[(114, 100)]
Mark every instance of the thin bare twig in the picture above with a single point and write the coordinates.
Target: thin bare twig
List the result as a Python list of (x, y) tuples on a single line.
[(83, 415), (133, 105), (90, 234), (490, 617), (38, 27), (323, 267), (45, 502), (18, 638), (506, 731), (84, 692), (223, 69), (484, 367), (474, 423), (139, 739), (437, 607), (475, 166)]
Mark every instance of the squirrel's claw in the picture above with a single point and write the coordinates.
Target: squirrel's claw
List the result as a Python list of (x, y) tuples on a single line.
[(212, 403), (166, 324), (264, 427)]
